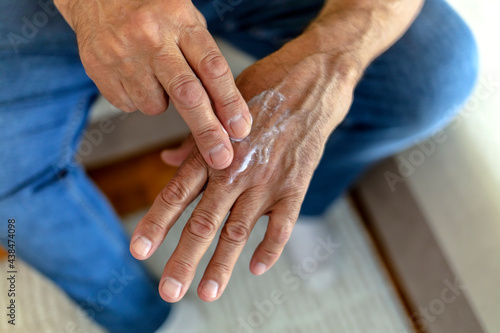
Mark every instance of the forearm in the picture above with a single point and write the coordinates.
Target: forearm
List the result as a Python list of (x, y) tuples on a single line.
[(340, 44), (360, 29)]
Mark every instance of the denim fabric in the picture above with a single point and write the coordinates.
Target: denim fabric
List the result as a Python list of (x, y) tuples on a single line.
[(406, 94), (65, 227)]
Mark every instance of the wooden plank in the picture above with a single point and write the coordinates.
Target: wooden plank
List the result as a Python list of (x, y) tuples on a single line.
[(133, 183), (437, 300)]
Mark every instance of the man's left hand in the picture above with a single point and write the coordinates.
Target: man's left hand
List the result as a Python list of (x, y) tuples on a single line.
[(297, 97)]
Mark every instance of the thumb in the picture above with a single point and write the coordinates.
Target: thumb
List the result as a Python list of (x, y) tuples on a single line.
[(176, 156)]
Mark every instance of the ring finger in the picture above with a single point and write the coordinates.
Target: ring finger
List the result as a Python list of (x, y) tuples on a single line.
[(233, 238)]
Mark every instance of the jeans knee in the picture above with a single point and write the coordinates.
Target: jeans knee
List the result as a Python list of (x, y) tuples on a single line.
[(439, 88)]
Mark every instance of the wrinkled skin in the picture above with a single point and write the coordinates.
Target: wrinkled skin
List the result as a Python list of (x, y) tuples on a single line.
[(296, 102), (141, 54)]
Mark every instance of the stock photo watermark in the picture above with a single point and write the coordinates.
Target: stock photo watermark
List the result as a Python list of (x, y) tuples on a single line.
[(91, 139), (95, 136), (419, 154), (95, 304), (223, 6), (11, 271), (292, 280), (103, 297), (428, 314), (32, 25)]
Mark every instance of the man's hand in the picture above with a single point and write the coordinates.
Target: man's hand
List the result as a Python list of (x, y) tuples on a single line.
[(140, 54), (297, 96), (296, 101)]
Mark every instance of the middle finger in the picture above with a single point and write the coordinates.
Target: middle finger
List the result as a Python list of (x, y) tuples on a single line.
[(234, 235), (195, 240)]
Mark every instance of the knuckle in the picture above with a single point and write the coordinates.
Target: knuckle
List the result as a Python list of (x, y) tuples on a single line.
[(202, 226), (153, 109), (97, 66), (102, 51), (175, 193), (125, 107), (121, 102), (155, 226), (209, 133), (129, 70), (236, 232), (187, 90), (221, 267), (272, 254), (182, 266), (265, 175), (151, 100), (279, 234), (139, 98), (214, 66), (231, 103), (116, 52), (146, 27)]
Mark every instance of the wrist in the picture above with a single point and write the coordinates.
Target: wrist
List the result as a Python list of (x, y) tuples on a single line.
[(347, 35), (334, 70), (345, 62), (365, 27)]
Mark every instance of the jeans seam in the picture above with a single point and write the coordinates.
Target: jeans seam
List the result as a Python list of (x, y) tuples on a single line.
[(68, 148), (66, 143)]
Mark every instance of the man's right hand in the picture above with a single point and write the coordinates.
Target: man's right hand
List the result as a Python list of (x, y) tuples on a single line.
[(140, 54)]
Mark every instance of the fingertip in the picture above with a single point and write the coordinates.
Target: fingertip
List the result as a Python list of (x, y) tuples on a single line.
[(220, 157), (171, 290), (240, 126), (164, 155), (208, 291), (258, 268), (140, 247), (170, 157)]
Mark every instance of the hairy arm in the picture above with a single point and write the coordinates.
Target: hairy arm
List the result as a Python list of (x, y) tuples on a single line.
[(363, 29)]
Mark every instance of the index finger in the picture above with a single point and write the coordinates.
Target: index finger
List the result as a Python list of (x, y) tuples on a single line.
[(168, 206), (209, 64), (193, 104)]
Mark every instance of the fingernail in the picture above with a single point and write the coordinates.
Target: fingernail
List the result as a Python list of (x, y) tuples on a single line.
[(239, 126), (142, 246), (219, 155), (210, 288), (172, 288), (259, 268)]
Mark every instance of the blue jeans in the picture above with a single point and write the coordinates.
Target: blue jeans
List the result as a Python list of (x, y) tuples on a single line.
[(65, 227)]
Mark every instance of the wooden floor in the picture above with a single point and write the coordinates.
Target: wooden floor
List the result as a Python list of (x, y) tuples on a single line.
[(133, 183)]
